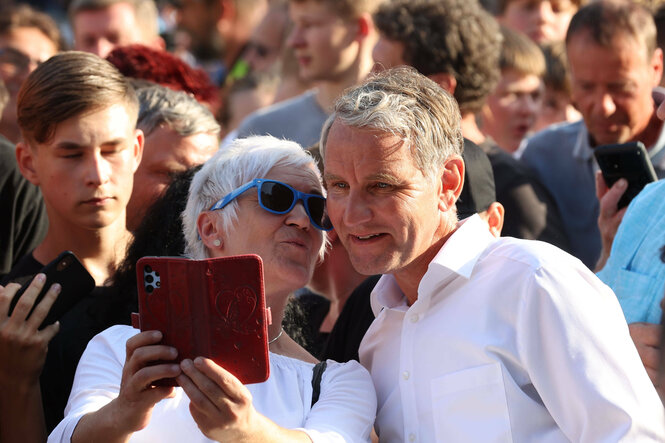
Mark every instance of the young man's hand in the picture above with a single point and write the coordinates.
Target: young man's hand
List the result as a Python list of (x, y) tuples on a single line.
[(23, 346)]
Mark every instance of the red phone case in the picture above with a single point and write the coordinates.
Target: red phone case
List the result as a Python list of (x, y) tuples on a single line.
[(213, 308)]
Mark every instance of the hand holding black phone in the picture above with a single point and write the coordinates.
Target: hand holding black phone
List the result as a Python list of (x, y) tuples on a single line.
[(629, 161), (75, 280)]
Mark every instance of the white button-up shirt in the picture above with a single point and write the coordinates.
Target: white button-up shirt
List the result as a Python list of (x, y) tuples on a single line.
[(509, 340)]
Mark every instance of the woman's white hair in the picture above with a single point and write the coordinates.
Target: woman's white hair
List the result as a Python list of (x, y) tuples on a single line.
[(231, 167)]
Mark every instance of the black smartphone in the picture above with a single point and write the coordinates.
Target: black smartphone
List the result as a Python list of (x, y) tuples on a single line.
[(627, 160), (75, 280)]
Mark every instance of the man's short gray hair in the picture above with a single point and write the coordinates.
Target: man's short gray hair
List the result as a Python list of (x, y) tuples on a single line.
[(231, 167), (407, 104), (159, 105)]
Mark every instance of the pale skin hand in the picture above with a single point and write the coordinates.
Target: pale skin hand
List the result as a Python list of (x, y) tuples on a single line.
[(646, 337), (222, 406), (132, 409), (609, 218), (23, 350)]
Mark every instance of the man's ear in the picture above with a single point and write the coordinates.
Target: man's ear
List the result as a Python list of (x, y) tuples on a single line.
[(25, 157), (210, 234), (452, 181), (139, 141), (365, 25), (447, 81), (227, 16), (495, 215), (657, 66)]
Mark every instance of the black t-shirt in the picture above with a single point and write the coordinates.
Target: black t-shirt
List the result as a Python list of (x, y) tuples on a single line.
[(93, 313), (352, 323), (531, 212), (23, 220), (314, 308)]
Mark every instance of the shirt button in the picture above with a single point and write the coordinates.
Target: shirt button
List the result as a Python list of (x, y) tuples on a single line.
[(412, 437), (405, 375), (414, 318)]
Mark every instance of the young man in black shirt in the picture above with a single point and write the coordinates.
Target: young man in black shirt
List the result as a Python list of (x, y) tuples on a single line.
[(80, 146)]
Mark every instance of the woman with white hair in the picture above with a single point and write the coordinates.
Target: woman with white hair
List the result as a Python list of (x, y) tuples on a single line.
[(259, 196)]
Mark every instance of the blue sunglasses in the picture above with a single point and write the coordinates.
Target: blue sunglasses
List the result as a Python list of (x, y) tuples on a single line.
[(279, 198)]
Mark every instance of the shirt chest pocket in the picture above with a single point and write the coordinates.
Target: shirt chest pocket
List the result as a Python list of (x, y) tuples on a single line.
[(470, 406)]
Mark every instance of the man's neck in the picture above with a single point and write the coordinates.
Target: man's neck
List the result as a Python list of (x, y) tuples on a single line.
[(470, 129), (651, 133), (100, 250), (329, 90), (408, 279)]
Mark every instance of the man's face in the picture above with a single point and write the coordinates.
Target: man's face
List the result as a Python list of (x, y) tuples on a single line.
[(165, 153), (611, 86), (323, 43), (21, 51), (512, 108), (265, 45), (198, 20), (99, 31), (388, 54), (384, 210), (86, 171), (542, 20)]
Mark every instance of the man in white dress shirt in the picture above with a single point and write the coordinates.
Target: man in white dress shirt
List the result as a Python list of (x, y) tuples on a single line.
[(476, 338)]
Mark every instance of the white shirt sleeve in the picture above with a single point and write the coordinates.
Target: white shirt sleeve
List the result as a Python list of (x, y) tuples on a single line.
[(346, 408), (97, 379), (583, 351)]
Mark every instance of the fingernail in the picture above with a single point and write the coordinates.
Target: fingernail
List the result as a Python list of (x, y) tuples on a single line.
[(198, 361), (157, 335), (56, 287), (175, 368), (186, 364), (40, 278), (622, 183), (173, 352)]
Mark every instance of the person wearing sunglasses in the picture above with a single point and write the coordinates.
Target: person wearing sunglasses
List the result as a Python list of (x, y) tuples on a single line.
[(264, 196)]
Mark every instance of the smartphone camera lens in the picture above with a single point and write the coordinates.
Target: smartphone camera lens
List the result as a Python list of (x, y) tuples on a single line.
[(63, 264)]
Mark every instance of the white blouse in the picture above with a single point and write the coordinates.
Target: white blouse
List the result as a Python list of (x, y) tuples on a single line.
[(345, 410)]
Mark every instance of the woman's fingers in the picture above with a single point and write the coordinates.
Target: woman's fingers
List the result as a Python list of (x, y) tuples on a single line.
[(202, 391), (222, 378), (146, 376)]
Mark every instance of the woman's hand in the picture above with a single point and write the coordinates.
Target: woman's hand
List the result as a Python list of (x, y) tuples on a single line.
[(219, 403), (137, 394), (222, 406), (132, 409), (23, 346)]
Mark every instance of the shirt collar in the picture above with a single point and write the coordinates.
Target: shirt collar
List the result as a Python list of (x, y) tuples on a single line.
[(457, 257)]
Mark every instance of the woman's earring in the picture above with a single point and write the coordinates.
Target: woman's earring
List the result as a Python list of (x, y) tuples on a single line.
[(217, 242)]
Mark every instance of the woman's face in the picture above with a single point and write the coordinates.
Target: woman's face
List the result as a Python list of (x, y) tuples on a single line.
[(288, 244)]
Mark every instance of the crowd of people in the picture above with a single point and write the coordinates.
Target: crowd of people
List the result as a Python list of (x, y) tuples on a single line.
[(442, 259)]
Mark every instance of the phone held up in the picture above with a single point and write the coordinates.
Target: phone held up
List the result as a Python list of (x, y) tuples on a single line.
[(75, 280), (627, 160), (213, 308)]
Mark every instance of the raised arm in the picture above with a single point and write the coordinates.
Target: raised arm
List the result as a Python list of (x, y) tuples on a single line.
[(222, 406), (23, 350), (131, 410)]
